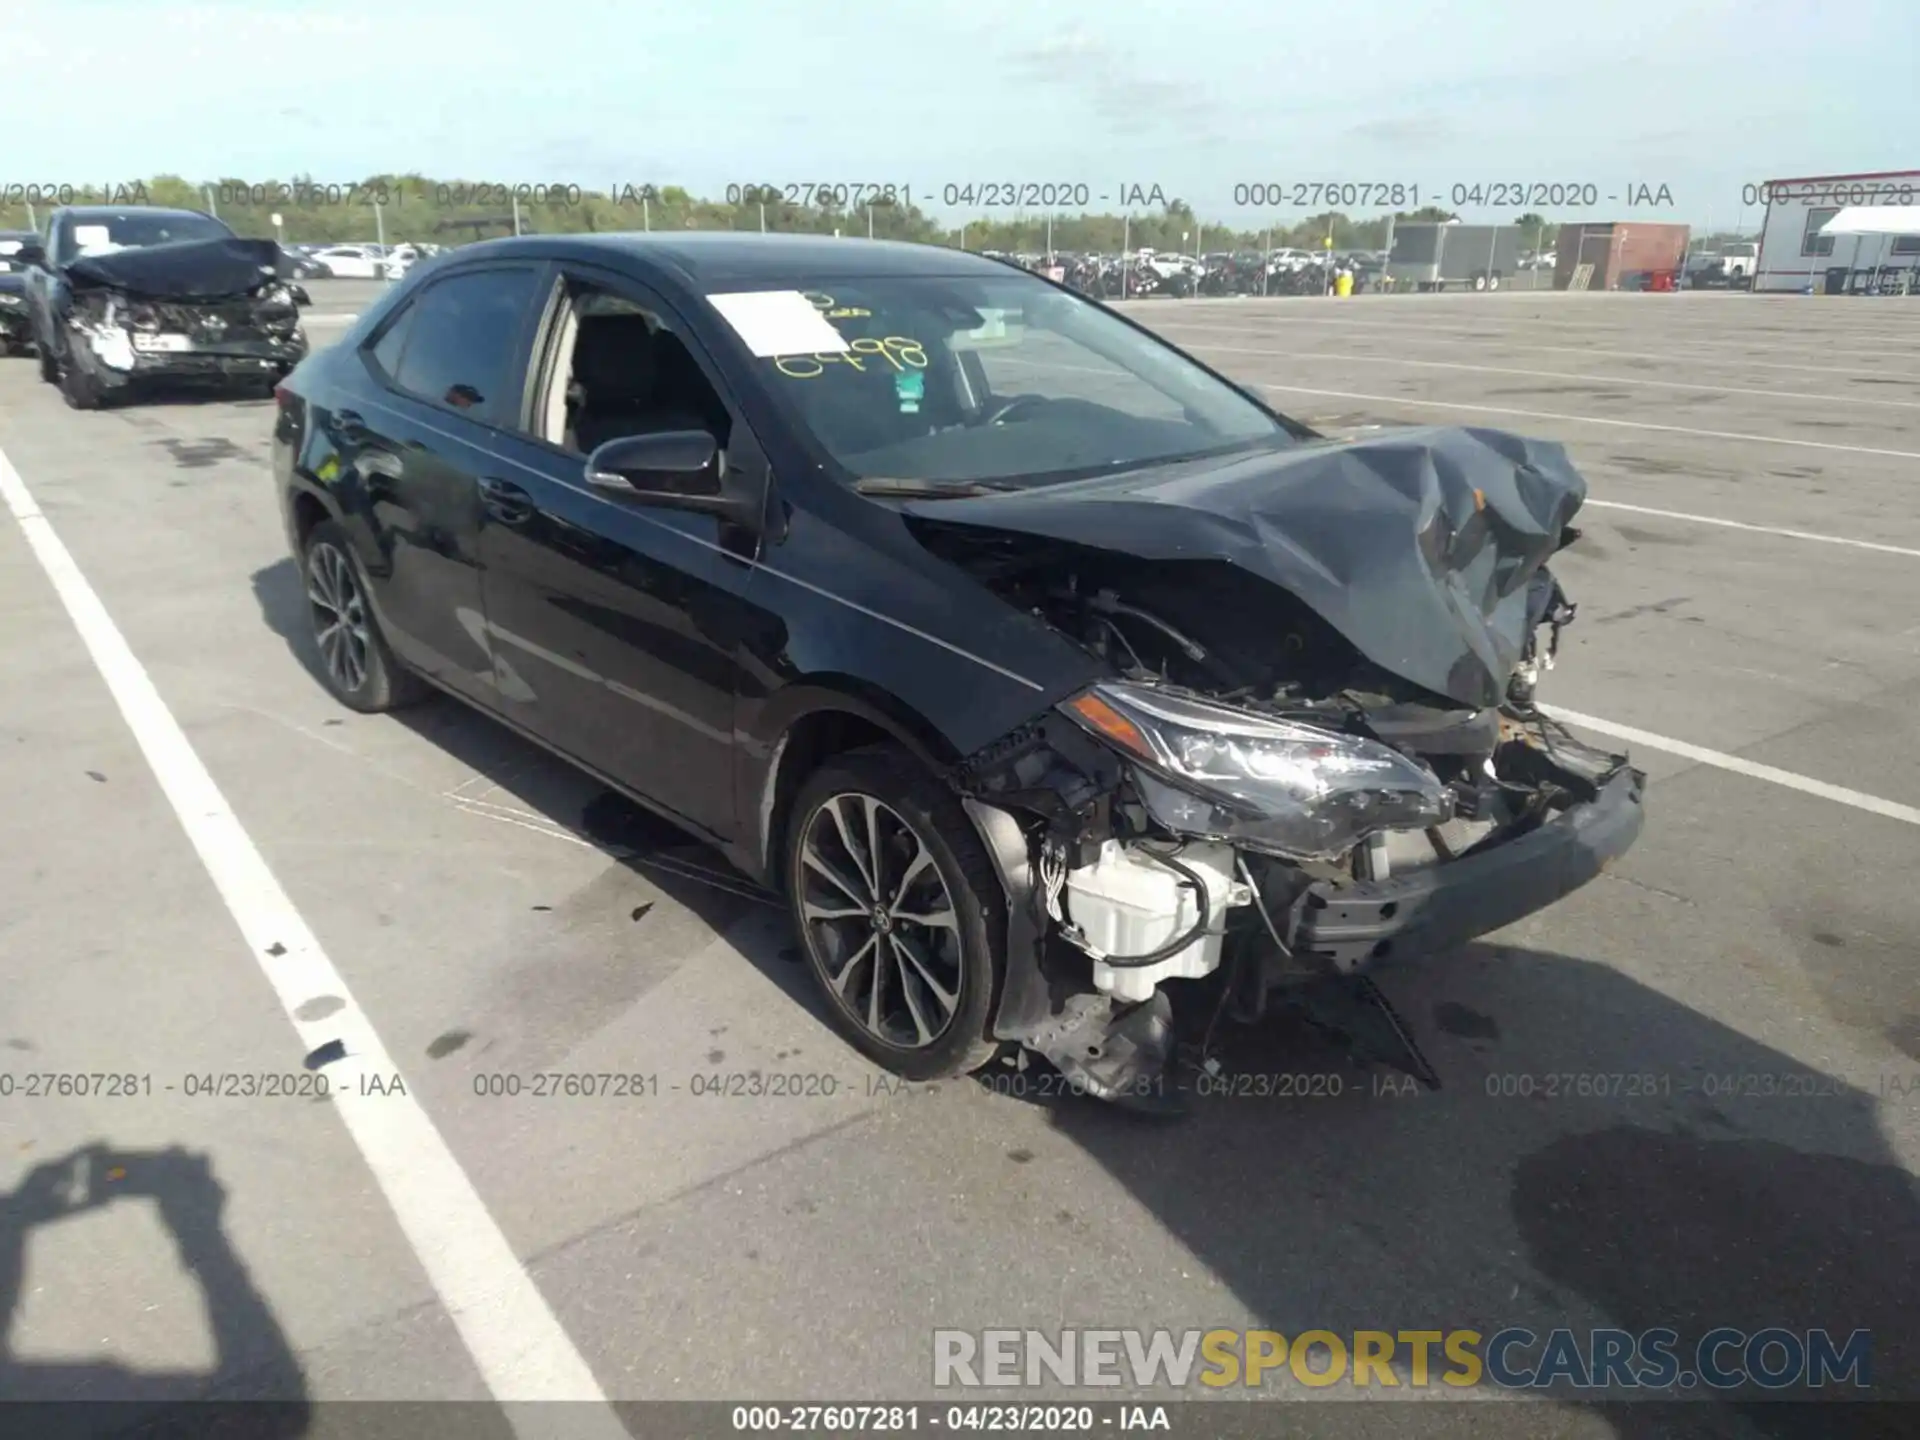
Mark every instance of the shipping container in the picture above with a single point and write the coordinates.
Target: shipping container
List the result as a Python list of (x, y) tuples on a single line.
[(1624, 255), (1432, 256)]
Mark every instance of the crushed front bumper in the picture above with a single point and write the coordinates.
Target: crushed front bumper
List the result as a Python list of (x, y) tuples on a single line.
[(222, 361), (1448, 904)]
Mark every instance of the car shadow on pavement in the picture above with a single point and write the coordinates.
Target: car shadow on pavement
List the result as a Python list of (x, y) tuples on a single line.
[(522, 779), (1728, 1185), (255, 1366)]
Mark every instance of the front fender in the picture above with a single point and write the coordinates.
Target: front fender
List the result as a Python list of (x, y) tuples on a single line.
[(766, 731)]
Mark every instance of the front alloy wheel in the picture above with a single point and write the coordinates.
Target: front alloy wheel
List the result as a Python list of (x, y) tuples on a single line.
[(899, 911), (881, 920)]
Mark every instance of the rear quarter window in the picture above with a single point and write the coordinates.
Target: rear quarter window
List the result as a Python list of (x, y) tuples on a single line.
[(465, 333)]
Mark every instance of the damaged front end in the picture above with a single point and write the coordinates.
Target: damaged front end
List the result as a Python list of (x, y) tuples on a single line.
[(142, 315), (1252, 806)]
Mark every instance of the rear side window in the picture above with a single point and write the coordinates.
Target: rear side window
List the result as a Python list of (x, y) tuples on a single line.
[(386, 351), (462, 346)]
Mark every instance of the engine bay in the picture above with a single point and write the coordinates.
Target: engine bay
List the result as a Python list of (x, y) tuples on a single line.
[(1132, 909)]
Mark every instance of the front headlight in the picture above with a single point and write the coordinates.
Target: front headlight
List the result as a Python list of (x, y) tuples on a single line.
[(1270, 784)]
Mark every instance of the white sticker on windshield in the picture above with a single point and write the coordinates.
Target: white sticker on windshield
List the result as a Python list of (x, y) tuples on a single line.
[(779, 322), (93, 239)]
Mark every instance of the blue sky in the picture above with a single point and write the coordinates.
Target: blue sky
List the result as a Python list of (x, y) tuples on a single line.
[(1698, 95)]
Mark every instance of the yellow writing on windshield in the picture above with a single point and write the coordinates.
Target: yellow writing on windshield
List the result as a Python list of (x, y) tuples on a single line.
[(897, 350)]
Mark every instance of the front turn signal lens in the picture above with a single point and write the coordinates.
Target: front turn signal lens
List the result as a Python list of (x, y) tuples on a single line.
[(1101, 718)]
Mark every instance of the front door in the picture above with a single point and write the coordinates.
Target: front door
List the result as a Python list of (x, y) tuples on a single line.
[(617, 625)]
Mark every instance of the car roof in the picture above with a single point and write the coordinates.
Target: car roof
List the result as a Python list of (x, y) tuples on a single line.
[(705, 258)]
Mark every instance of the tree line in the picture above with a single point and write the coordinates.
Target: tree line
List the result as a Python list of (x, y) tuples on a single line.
[(420, 208)]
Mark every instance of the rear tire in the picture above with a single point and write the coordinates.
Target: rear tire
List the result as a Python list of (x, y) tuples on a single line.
[(914, 995), (356, 664)]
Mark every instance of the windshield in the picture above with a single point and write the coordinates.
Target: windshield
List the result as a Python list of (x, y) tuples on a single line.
[(105, 232), (991, 379)]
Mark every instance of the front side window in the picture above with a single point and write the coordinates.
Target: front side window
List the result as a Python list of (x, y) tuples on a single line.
[(988, 379), (463, 342), (621, 370)]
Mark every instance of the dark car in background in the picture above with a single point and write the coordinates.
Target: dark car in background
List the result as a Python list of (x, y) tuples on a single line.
[(120, 298), (1048, 674), (16, 332)]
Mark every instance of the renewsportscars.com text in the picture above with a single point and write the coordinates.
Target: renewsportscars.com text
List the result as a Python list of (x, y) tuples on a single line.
[(1513, 1358)]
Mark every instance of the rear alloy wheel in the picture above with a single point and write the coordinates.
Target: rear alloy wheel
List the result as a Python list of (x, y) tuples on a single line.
[(899, 913), (355, 662)]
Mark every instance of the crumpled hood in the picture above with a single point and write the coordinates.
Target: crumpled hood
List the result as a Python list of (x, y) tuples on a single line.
[(1416, 545), (184, 270)]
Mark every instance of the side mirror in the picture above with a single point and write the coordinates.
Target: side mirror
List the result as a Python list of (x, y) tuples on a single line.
[(300, 295), (679, 469)]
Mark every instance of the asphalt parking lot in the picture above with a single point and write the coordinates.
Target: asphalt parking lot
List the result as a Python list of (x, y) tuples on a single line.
[(1748, 582)]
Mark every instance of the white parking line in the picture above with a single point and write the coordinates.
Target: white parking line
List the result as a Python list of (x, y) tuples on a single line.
[(1757, 529), (1805, 784), (1212, 349), (516, 1342), (1591, 420), (1444, 336)]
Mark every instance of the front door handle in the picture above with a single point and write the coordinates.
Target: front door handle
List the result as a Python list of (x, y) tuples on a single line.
[(505, 501)]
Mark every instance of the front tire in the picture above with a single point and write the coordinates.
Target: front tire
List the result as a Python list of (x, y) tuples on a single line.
[(355, 661), (79, 389), (899, 911)]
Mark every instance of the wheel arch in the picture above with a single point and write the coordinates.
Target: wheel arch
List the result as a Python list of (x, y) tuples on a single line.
[(804, 726)]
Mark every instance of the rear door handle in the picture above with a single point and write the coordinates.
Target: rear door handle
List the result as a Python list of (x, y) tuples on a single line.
[(505, 501)]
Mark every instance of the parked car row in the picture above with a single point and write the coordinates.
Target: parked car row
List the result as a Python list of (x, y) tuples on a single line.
[(1148, 272), (357, 262)]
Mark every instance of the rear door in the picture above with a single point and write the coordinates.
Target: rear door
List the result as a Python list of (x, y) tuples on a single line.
[(440, 374), (617, 624)]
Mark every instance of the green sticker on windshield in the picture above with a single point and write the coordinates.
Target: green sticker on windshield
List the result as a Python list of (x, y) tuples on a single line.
[(911, 387)]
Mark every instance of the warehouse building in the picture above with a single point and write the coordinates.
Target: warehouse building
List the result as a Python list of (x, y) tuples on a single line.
[(1616, 255), (1795, 254)]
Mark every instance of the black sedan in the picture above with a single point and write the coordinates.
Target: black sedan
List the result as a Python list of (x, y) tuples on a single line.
[(122, 298), (1048, 674)]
